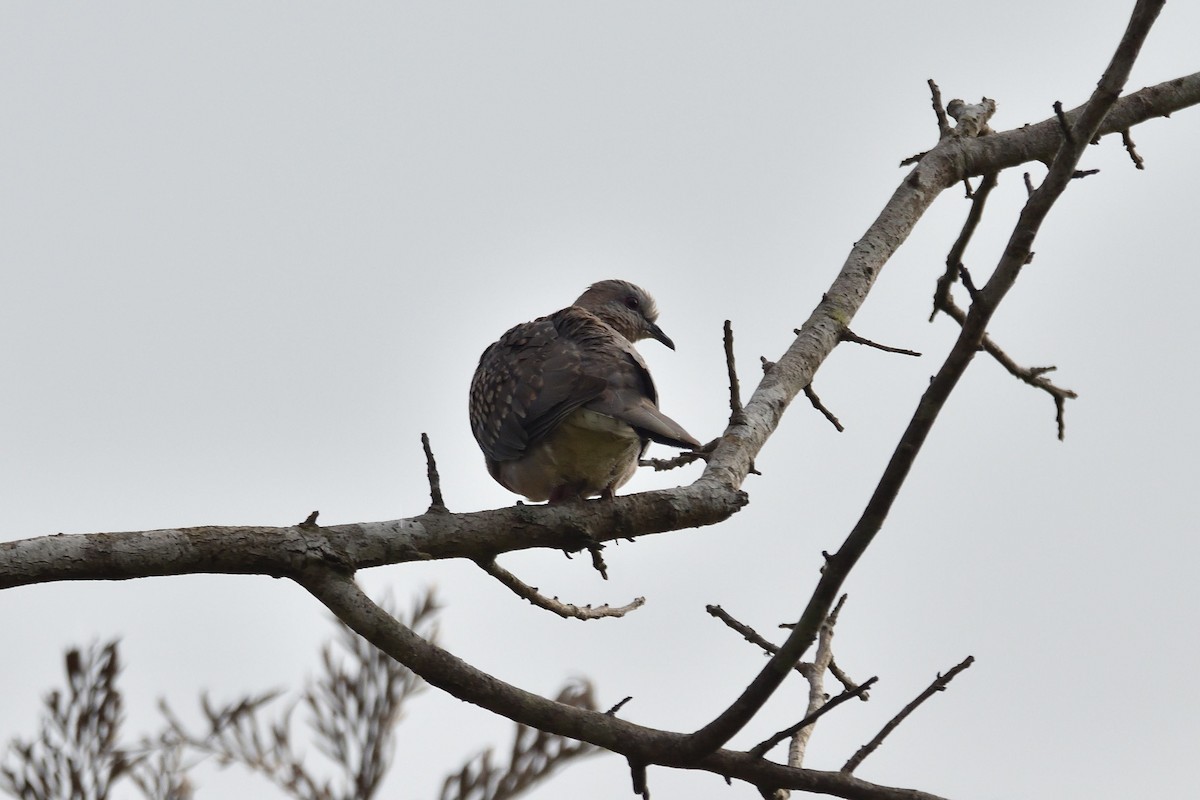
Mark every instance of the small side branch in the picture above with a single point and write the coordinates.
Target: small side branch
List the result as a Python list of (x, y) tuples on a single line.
[(612, 712), (761, 749), (1131, 148), (752, 636), (564, 610), (845, 679), (954, 259), (435, 482), (819, 406), (1034, 376), (938, 109), (681, 460), (736, 414), (1063, 124), (804, 668), (943, 301), (939, 685), (637, 774), (943, 123), (596, 551), (848, 335)]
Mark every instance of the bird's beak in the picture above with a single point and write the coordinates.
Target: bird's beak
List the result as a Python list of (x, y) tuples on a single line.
[(657, 333)]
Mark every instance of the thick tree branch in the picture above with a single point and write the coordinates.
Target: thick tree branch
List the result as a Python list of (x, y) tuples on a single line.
[(640, 744), (243, 550)]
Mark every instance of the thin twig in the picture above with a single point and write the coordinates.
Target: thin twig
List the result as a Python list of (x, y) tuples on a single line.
[(435, 482), (939, 685), (845, 679), (736, 414), (681, 460), (1063, 124), (752, 636), (564, 610), (637, 773), (1131, 148), (596, 549), (954, 258), (612, 712), (943, 122), (943, 301), (762, 748), (1034, 376), (848, 335), (819, 406)]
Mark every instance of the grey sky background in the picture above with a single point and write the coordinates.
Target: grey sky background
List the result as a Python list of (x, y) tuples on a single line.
[(250, 251)]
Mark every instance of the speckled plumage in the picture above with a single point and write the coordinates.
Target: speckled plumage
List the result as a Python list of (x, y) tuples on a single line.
[(564, 406)]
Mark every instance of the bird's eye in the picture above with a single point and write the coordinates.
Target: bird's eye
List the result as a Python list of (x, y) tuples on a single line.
[(631, 302)]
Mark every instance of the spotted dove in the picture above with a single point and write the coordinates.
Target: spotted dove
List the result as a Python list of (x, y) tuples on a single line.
[(564, 406)]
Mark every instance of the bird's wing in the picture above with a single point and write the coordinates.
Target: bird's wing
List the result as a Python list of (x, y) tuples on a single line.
[(528, 382), (629, 393)]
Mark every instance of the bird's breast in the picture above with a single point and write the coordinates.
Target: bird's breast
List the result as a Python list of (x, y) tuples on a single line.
[(586, 452)]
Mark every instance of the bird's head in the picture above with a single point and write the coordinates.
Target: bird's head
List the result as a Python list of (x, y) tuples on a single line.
[(627, 309)]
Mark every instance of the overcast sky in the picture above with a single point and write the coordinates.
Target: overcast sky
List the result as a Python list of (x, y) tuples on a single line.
[(250, 251)]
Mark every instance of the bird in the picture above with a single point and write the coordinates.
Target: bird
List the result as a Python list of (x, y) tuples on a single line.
[(564, 406)]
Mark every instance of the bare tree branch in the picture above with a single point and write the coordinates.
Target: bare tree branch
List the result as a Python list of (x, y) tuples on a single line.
[(938, 685), (735, 391), (752, 636), (943, 301), (640, 744), (942, 298), (436, 503), (564, 610), (762, 748), (939, 110), (811, 394), (850, 336), (1131, 148)]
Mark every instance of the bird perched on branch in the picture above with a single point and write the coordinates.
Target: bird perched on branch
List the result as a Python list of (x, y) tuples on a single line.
[(564, 406)]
